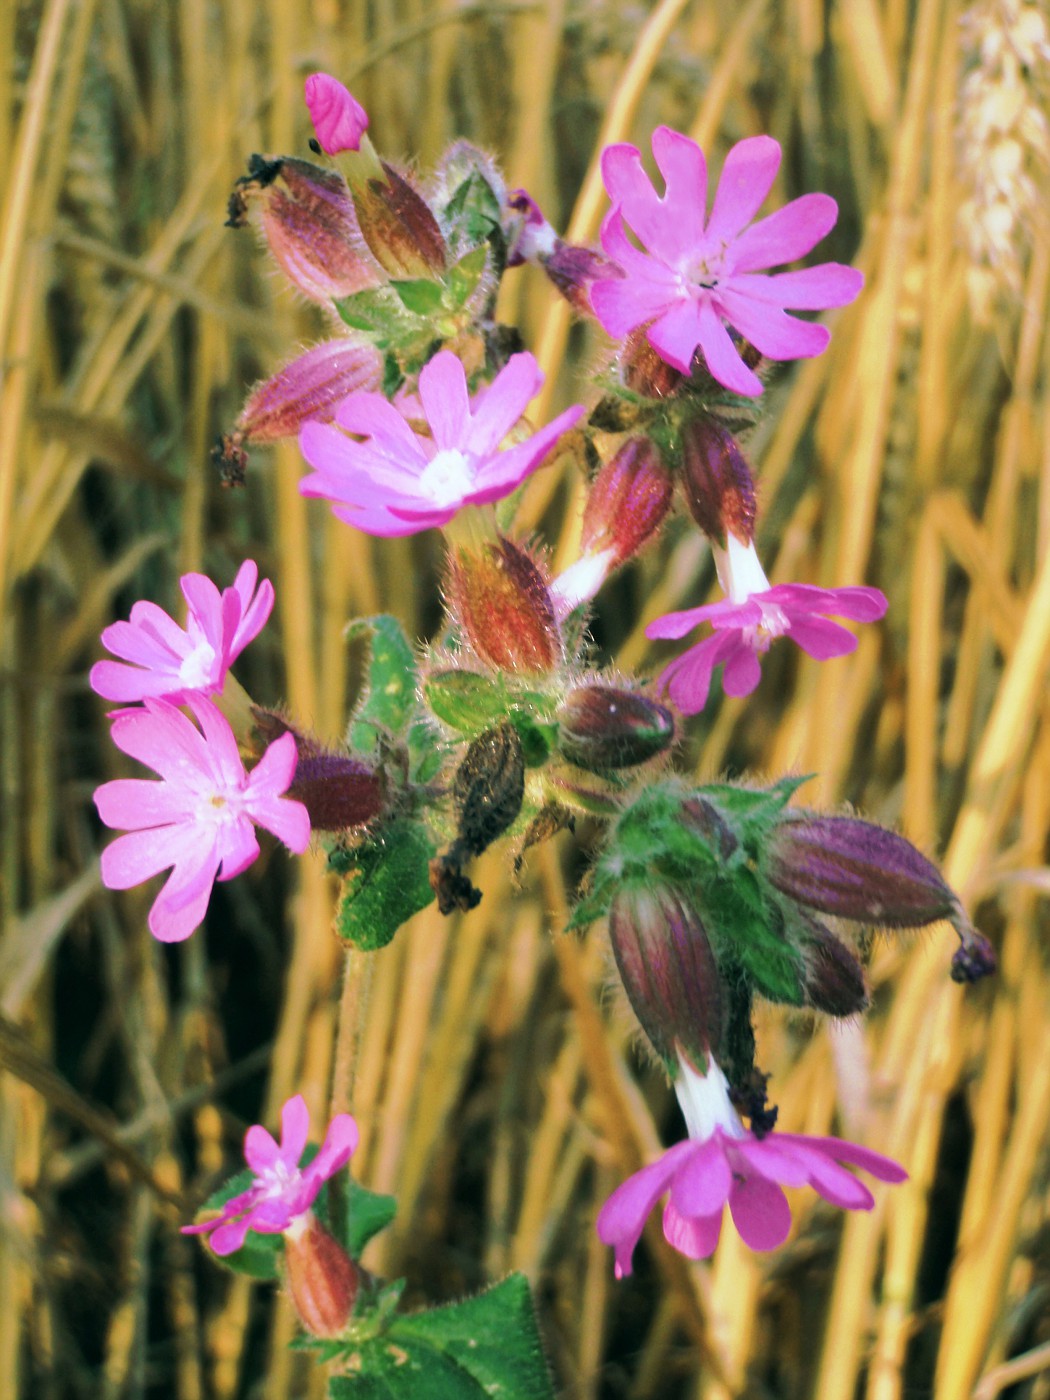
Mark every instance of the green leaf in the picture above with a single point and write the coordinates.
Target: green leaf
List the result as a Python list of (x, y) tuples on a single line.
[(466, 701), (370, 310), (390, 700), (420, 295), (753, 812), (367, 1212), (387, 881), (484, 1347)]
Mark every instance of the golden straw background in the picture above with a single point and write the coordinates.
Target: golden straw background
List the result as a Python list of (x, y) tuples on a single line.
[(498, 1087)]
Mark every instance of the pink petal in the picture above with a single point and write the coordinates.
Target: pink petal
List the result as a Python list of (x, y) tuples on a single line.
[(153, 629), (339, 1145), (238, 847), (132, 859), (165, 740), (205, 602), (880, 1167), (809, 289), (285, 818), (774, 1158), (770, 330), (742, 669), (760, 1213), (505, 471), (275, 771), (370, 415), (338, 118), (671, 626), (696, 1236), (622, 303), (228, 1238), (664, 282), (622, 1218), (503, 403), (135, 804), (180, 907), (224, 757), (747, 177), (679, 330), (788, 234), (443, 391), (702, 1184), (688, 679), (820, 638), (127, 684), (260, 1150), (684, 206), (295, 1129)]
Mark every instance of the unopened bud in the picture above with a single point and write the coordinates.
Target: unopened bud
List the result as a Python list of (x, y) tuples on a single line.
[(604, 727), (668, 969), (310, 388), (338, 791), (644, 372), (503, 604), (976, 958), (627, 502), (832, 978), (398, 224), (852, 868), (322, 1278), (338, 118), (308, 219), (717, 482), (571, 267)]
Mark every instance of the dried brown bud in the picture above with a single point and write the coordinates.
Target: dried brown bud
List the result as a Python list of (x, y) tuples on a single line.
[(644, 372), (489, 787), (398, 225)]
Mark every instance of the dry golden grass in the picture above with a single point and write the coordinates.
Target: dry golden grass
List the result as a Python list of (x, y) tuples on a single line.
[(498, 1094)]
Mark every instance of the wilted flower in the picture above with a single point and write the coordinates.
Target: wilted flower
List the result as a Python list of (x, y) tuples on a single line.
[(722, 1163), (398, 482), (172, 663), (200, 818), (501, 600), (699, 273), (750, 619), (282, 1192)]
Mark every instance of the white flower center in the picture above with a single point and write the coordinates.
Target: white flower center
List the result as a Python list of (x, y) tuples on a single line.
[(447, 478), (278, 1178), (704, 1101), (706, 271), (196, 670)]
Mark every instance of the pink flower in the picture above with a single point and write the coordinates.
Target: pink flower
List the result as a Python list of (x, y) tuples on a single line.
[(750, 619), (397, 482), (339, 119), (199, 818), (282, 1192), (172, 663), (698, 274), (720, 1162)]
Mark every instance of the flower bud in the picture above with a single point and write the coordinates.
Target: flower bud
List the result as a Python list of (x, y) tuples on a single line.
[(308, 219), (832, 978), (574, 268), (852, 868), (570, 266), (338, 791), (668, 969), (627, 502), (716, 481), (976, 958), (604, 727), (397, 224), (644, 372), (322, 1278), (501, 599), (310, 387), (338, 118)]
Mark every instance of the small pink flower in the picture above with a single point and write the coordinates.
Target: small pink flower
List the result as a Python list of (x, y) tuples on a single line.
[(339, 119), (199, 818), (697, 273), (750, 619), (173, 663), (282, 1192), (397, 482), (722, 1163)]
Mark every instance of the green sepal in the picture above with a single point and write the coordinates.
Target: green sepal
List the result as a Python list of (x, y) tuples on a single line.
[(466, 701), (387, 881), (752, 812), (420, 295), (474, 209), (367, 1212), (390, 698), (463, 277), (537, 740), (482, 1347), (372, 311), (746, 931)]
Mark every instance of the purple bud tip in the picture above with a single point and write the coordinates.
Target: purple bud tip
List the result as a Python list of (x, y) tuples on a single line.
[(339, 119), (976, 958), (523, 203)]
